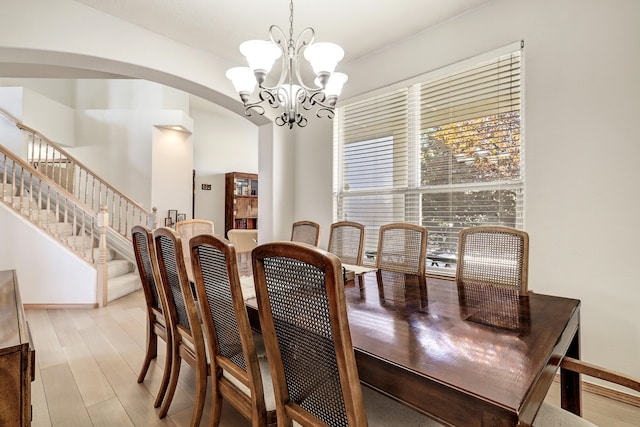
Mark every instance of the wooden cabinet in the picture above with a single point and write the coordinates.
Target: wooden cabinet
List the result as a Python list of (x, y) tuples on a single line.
[(17, 356), (241, 201)]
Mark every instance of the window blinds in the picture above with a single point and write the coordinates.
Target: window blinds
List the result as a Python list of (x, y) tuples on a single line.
[(444, 153)]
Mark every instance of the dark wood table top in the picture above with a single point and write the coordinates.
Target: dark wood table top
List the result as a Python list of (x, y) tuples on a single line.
[(454, 356)]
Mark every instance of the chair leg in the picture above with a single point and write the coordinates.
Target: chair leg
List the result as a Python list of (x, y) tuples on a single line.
[(216, 406), (201, 392), (165, 375), (151, 353), (176, 361)]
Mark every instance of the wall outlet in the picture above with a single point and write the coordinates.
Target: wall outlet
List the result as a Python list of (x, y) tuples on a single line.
[(206, 186)]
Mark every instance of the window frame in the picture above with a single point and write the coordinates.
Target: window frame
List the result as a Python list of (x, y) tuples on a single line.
[(412, 211)]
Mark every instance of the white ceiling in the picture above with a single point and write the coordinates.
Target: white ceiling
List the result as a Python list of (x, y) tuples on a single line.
[(359, 26)]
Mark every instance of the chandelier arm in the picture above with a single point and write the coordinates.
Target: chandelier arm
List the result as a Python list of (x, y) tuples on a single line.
[(319, 98), (254, 108), (277, 36), (325, 112)]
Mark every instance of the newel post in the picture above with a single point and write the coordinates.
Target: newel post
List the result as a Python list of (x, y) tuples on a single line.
[(101, 264)]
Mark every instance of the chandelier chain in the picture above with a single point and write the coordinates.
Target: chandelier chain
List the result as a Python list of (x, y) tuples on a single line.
[(291, 20)]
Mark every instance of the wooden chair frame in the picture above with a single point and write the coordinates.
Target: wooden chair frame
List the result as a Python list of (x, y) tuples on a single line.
[(156, 322), (347, 370), (187, 340), (304, 224), (251, 406), (186, 230), (524, 239), (591, 370), (383, 264)]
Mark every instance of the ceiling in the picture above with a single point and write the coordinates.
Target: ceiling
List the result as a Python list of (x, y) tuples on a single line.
[(359, 26)]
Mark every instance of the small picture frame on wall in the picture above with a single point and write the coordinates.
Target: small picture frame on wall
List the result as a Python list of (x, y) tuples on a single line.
[(173, 215), (181, 217), (167, 222)]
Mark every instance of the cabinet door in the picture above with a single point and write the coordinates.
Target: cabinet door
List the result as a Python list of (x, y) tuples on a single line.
[(246, 207), (10, 389)]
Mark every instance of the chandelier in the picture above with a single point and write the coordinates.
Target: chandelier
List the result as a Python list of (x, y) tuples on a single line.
[(290, 93)]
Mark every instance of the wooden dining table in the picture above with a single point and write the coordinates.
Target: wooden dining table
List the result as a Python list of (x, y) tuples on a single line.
[(464, 361)]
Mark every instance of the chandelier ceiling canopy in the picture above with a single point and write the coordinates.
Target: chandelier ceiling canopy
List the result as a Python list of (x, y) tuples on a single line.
[(291, 94)]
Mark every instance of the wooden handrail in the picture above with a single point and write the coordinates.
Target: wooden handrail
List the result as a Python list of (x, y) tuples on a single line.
[(43, 198), (97, 191), (22, 126)]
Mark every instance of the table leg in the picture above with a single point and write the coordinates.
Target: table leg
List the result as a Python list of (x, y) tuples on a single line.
[(570, 385)]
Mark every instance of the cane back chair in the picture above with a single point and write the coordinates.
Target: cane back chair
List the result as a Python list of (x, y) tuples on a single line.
[(186, 230), (495, 256), (306, 332), (147, 264), (239, 375), (402, 247), (183, 320), (346, 241), (305, 232)]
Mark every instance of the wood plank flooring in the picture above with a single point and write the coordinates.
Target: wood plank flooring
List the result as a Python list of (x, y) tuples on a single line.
[(87, 363)]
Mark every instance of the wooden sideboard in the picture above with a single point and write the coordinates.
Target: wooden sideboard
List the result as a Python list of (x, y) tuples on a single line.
[(17, 355)]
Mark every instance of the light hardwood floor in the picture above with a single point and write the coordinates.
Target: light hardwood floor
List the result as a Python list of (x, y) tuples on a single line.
[(88, 361)]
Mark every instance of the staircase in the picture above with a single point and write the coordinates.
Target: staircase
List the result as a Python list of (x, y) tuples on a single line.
[(48, 201)]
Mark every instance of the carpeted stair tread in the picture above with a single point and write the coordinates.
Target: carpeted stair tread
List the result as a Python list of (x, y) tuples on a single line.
[(123, 285)]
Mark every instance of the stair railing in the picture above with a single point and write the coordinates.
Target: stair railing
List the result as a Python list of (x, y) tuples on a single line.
[(89, 188), (45, 204)]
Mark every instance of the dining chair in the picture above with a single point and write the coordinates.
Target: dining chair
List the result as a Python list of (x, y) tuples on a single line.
[(240, 376), (346, 241), (402, 247), (182, 319), (302, 310), (186, 230), (305, 232), (306, 334), (493, 255), (147, 264), (244, 242), (551, 415)]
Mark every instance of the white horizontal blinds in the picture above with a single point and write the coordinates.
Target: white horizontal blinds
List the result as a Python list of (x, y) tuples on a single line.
[(471, 165), (445, 154), (374, 154)]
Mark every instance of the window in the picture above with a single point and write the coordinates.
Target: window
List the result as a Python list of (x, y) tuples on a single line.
[(445, 153)]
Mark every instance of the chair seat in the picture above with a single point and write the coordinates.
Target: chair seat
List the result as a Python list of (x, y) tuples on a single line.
[(267, 384), (553, 416)]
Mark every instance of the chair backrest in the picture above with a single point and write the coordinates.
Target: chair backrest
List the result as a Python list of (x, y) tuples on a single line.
[(182, 312), (346, 241), (186, 230), (243, 240), (492, 255), (402, 247), (303, 317), (225, 319), (305, 232), (145, 252)]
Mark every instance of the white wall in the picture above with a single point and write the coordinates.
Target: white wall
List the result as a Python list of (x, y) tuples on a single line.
[(47, 272), (171, 169), (581, 102), (223, 142)]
